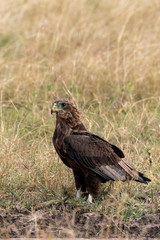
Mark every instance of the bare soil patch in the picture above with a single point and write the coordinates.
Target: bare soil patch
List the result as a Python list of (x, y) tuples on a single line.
[(76, 224)]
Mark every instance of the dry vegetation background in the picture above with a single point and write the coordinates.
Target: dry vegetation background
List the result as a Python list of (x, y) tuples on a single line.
[(104, 55)]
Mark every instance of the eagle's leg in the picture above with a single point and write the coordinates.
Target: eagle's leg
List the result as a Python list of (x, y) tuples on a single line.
[(79, 181), (89, 199), (93, 185), (78, 195)]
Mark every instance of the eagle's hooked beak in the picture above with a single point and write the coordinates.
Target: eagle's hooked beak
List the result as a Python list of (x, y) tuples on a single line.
[(55, 108)]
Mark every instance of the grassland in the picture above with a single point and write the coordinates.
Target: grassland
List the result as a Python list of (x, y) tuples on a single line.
[(105, 56)]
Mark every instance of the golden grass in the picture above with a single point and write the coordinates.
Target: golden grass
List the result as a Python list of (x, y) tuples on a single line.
[(104, 55)]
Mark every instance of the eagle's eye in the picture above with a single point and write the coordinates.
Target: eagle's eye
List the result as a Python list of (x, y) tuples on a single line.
[(63, 104)]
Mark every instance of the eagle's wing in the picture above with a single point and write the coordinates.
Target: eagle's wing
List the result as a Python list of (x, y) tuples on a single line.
[(94, 153), (117, 150)]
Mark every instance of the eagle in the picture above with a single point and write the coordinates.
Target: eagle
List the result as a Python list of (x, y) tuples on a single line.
[(92, 159)]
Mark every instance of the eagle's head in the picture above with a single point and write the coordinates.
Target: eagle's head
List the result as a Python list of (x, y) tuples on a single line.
[(65, 109)]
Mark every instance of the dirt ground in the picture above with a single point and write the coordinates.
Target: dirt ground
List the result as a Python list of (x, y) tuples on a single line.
[(77, 224)]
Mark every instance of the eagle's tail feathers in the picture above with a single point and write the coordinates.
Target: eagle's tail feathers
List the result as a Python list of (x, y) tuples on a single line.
[(142, 178), (137, 176)]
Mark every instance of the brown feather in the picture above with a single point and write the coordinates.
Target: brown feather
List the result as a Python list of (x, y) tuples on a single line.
[(92, 159)]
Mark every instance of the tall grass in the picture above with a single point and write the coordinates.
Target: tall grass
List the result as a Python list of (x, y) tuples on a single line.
[(105, 56)]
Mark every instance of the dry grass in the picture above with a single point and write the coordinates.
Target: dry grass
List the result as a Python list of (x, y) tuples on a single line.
[(105, 55)]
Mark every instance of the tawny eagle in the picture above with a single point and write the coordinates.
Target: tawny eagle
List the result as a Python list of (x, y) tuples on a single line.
[(93, 160)]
